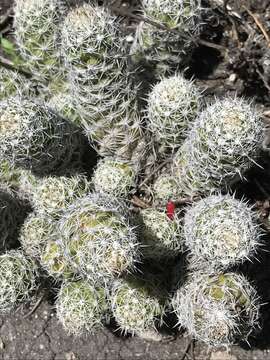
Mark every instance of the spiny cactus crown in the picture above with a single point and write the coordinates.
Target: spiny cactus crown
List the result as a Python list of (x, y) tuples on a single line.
[(98, 241), (221, 231), (51, 195), (135, 306), (173, 104), (223, 143), (114, 177), (88, 32), (81, 307), (35, 233), (217, 309), (173, 12), (17, 279), (165, 188)]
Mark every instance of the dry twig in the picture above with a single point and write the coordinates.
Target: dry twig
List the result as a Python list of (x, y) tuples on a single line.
[(259, 24)]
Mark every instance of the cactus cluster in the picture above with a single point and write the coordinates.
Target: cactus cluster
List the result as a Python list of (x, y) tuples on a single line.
[(105, 255)]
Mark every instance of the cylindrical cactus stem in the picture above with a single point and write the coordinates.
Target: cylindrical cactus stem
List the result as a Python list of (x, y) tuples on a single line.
[(34, 137), (101, 85), (17, 279), (173, 105), (97, 239), (37, 34), (51, 195), (137, 305), (221, 231), (35, 233), (162, 237), (217, 309), (13, 83), (224, 143), (114, 177), (167, 40), (82, 307)]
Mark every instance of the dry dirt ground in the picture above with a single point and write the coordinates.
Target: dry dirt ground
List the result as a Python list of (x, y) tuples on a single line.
[(229, 58)]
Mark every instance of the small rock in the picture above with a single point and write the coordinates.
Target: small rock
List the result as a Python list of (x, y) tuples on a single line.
[(2, 344), (70, 356), (222, 355)]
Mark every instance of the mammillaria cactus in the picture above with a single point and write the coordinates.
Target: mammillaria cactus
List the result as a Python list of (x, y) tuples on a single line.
[(13, 83), (173, 104), (17, 279), (36, 32), (98, 241), (221, 231), (35, 233), (101, 86), (222, 145), (32, 136), (165, 188), (166, 40), (137, 306), (217, 309), (53, 194), (82, 307), (161, 236), (114, 177)]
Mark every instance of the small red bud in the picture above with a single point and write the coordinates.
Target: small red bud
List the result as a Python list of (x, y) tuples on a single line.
[(170, 209)]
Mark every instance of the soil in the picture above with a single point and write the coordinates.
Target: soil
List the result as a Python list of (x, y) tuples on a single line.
[(232, 56)]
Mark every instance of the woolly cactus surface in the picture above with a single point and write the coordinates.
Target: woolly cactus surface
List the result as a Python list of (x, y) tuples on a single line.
[(161, 236), (52, 195), (217, 309), (101, 85), (81, 307), (166, 42), (17, 279), (165, 188), (136, 306), (36, 31), (173, 104), (114, 177), (99, 241), (221, 231), (223, 144), (33, 136), (35, 234)]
